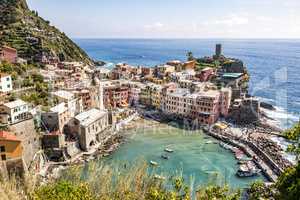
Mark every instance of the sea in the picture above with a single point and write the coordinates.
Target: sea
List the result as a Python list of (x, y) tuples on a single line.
[(274, 65)]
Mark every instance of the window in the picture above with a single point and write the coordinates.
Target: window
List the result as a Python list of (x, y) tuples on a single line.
[(8, 86), (3, 157), (2, 149), (7, 78)]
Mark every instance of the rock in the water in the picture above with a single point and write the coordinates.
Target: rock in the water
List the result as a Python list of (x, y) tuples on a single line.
[(267, 106)]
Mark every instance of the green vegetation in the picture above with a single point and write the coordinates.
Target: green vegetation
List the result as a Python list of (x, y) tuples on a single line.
[(41, 90), (288, 183), (63, 190), (32, 36), (190, 56), (102, 182), (15, 70), (294, 135)]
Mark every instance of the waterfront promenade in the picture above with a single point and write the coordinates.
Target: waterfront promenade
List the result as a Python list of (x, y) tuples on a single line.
[(266, 164)]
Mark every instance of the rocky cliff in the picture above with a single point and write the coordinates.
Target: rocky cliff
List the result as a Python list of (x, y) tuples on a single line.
[(33, 36)]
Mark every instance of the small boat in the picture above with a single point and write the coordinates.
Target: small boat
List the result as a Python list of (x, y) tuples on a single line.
[(247, 173), (159, 177), (165, 157), (169, 150), (209, 142), (247, 170), (153, 163)]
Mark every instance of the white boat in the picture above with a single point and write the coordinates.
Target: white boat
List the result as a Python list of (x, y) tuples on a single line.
[(166, 157), (209, 142), (169, 150), (153, 163), (159, 177), (247, 170)]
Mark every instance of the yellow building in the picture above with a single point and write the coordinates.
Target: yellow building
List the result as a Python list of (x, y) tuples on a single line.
[(10, 146), (150, 95), (156, 97)]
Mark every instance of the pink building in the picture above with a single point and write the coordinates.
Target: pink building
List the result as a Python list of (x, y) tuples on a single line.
[(116, 96), (205, 107), (8, 54), (205, 74)]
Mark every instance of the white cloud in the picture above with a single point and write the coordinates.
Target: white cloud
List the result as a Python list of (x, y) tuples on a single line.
[(232, 21), (264, 19), (157, 25)]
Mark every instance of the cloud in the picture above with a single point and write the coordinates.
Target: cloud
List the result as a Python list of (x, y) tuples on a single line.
[(157, 25), (264, 19), (232, 20)]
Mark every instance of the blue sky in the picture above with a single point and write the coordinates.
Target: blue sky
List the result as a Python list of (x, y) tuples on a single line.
[(173, 18)]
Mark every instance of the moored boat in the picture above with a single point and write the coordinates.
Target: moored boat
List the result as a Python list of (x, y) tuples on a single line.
[(169, 150), (153, 163), (165, 157), (156, 176), (247, 170)]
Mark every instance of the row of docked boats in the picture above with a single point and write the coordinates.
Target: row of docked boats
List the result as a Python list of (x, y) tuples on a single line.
[(247, 167)]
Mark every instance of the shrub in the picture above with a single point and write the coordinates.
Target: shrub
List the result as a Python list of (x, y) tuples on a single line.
[(63, 190)]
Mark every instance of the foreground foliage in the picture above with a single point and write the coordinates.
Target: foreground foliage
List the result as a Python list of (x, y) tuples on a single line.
[(100, 182), (287, 186)]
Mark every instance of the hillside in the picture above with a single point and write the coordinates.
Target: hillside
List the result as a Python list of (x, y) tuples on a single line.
[(33, 36)]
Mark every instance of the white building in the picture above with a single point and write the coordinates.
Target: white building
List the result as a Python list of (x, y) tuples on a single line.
[(56, 118), (14, 112), (91, 126), (5, 82), (74, 105)]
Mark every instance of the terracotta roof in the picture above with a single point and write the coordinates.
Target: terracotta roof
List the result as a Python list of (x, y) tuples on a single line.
[(8, 136), (3, 75), (7, 47)]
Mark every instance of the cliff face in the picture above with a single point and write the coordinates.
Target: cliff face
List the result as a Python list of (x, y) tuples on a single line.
[(33, 36)]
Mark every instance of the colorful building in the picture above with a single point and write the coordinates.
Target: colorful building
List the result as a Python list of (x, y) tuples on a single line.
[(151, 95), (10, 146), (206, 74), (203, 106), (116, 96), (8, 54)]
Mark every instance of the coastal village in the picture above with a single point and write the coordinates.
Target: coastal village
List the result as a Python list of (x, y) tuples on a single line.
[(68, 113)]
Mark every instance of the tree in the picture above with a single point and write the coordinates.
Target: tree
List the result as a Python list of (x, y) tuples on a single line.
[(190, 56), (288, 183), (294, 135)]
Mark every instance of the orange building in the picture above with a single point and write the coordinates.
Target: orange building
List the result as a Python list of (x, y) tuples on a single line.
[(189, 65), (10, 146)]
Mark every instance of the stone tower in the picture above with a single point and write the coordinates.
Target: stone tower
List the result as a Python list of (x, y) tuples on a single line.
[(218, 50)]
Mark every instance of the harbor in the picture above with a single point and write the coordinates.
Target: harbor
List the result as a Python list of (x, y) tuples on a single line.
[(171, 151)]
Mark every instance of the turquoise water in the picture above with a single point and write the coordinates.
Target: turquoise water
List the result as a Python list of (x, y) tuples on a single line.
[(199, 163)]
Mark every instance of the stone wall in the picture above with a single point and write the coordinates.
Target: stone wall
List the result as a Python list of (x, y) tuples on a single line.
[(14, 167), (26, 132)]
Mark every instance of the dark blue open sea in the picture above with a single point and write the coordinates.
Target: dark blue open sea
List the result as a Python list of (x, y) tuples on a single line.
[(274, 65)]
